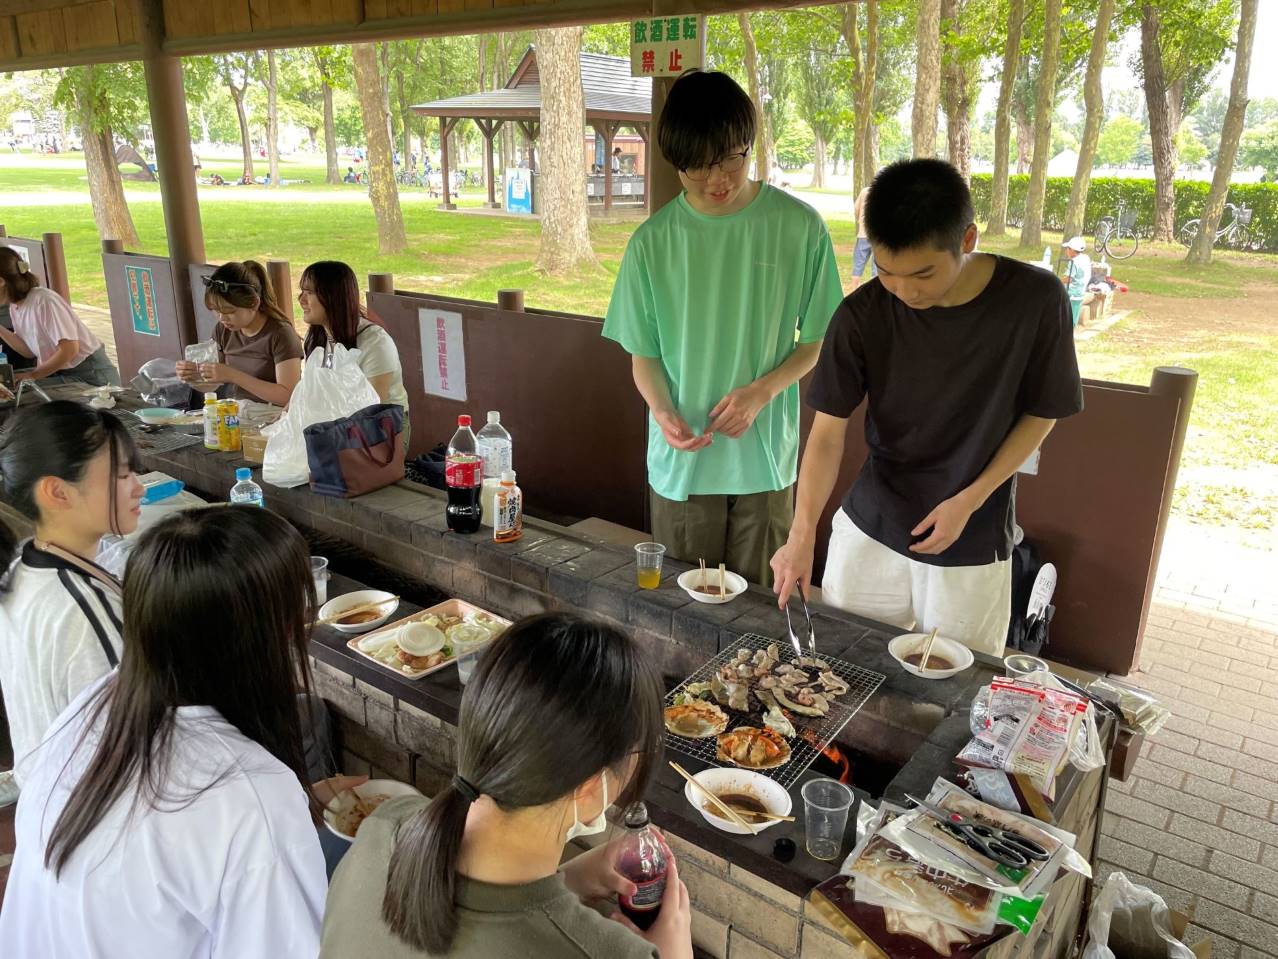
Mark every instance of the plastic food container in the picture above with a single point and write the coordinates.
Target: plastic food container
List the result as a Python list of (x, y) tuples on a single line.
[(253, 445)]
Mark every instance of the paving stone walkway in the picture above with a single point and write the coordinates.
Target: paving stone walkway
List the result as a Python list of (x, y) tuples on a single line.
[(1198, 821)]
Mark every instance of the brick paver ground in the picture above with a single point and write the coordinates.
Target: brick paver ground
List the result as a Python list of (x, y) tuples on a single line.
[(1198, 821)]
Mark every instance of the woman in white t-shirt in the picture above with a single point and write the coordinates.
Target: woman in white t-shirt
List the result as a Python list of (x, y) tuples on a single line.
[(332, 310), (67, 468), (166, 813), (46, 328)]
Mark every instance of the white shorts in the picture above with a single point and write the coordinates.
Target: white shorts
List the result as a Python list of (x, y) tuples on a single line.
[(970, 604)]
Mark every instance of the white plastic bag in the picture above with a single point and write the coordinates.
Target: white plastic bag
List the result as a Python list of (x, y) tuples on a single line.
[(324, 394), (1134, 920)]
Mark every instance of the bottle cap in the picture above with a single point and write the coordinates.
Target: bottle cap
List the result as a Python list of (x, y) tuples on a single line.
[(463, 420), (784, 849), (508, 476), (243, 473), (636, 816), (494, 418)]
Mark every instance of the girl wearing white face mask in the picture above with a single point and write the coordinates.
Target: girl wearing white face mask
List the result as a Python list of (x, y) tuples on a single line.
[(562, 716)]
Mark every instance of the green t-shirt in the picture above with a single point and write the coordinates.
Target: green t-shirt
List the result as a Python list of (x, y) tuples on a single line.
[(719, 300)]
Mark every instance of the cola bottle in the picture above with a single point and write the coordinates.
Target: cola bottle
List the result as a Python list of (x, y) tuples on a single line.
[(464, 473), (644, 860)]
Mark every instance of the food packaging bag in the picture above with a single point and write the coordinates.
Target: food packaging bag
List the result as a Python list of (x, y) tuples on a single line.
[(203, 352), (326, 392), (1128, 921)]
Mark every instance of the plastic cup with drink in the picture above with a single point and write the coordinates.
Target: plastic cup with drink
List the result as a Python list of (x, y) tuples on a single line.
[(319, 571), (648, 558)]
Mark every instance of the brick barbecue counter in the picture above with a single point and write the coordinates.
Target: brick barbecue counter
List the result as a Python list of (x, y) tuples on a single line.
[(747, 904)]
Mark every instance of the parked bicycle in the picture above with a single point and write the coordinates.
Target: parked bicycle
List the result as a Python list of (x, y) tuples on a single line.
[(1235, 234), (1116, 236)]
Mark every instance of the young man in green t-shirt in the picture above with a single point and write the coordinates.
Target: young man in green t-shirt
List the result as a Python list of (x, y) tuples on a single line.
[(722, 300)]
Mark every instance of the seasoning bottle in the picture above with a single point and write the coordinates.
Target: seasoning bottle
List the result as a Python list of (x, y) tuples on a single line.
[(211, 441), (643, 859), (508, 511)]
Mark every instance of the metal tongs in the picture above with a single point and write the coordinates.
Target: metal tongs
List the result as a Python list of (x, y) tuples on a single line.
[(35, 388), (794, 639)]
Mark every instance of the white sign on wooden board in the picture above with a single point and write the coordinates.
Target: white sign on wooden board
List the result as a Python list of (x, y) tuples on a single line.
[(443, 353)]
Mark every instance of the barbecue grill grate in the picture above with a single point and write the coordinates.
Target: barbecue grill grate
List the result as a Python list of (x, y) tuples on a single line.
[(862, 684), (162, 440)]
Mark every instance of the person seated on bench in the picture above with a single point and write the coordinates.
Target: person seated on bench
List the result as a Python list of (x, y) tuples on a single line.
[(259, 352), (46, 328)]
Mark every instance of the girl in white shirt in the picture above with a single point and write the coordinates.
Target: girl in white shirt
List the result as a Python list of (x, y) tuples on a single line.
[(68, 468), (165, 815), (331, 307), (46, 328)]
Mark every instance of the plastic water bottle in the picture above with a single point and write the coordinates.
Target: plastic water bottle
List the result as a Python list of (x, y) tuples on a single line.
[(1047, 257), (495, 447), (245, 492), (211, 440)]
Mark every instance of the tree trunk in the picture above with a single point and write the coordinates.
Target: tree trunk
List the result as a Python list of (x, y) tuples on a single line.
[(272, 120), (1162, 131), (565, 233), (1032, 231), (865, 151), (927, 78), (1231, 133), (246, 144), (956, 97), (763, 139), (1024, 139), (818, 164), (381, 169), (1094, 100), (333, 174), (997, 225), (106, 189), (406, 118)]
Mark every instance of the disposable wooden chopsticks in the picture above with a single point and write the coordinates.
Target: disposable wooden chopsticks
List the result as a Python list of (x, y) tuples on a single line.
[(927, 650), (355, 610), (722, 572), (731, 813)]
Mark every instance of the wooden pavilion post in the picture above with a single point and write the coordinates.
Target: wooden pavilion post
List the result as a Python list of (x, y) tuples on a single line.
[(446, 125), (664, 179), (176, 166), (607, 130), (489, 128), (532, 130), (643, 129)]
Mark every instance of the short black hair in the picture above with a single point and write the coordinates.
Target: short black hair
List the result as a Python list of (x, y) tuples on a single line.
[(916, 203), (707, 116)]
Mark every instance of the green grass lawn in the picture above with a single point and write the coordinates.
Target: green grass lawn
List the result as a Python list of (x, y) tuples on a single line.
[(1215, 319)]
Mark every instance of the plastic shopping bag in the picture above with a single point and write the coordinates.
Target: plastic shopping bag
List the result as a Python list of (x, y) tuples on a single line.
[(326, 392), (1131, 922)]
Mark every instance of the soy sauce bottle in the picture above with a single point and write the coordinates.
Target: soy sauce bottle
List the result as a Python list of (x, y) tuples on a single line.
[(644, 860)]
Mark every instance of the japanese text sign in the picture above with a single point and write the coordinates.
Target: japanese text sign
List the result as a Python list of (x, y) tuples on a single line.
[(666, 46)]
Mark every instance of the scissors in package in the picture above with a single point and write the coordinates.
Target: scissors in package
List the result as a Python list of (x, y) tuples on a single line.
[(1003, 846)]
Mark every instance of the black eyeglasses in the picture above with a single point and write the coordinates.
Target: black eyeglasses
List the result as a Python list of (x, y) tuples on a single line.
[(225, 286), (729, 164)]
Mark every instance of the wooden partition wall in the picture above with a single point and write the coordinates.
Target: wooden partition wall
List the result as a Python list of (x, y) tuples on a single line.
[(1095, 508), (46, 258), (564, 392), (144, 314)]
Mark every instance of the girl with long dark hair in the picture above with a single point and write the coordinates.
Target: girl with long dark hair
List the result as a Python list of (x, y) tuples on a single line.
[(562, 717), (259, 351), (46, 329), (331, 308), (68, 468), (166, 813)]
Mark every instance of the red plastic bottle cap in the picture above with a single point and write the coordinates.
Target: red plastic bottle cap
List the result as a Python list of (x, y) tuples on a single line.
[(463, 420)]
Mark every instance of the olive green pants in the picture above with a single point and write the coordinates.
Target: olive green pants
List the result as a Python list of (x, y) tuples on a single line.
[(742, 532)]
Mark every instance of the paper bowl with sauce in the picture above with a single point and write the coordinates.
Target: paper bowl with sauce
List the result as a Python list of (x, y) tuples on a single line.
[(946, 659), (346, 813), (737, 787), (707, 590), (360, 622)]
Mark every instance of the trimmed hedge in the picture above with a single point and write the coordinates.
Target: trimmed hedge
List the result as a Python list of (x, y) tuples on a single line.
[(1138, 194)]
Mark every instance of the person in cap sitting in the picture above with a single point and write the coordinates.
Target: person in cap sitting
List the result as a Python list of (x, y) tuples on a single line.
[(1078, 274)]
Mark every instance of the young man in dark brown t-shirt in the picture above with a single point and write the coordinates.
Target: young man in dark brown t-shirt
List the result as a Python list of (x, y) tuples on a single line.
[(967, 361)]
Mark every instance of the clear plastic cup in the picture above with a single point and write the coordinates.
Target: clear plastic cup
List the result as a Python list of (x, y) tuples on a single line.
[(826, 803), (648, 557), (319, 571), (467, 654)]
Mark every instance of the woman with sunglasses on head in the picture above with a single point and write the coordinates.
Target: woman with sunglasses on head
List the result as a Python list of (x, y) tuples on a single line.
[(259, 352), (166, 813), (562, 717), (332, 311), (67, 468), (46, 329)]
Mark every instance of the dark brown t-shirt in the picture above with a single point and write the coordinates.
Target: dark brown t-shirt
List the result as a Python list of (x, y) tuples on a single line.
[(945, 387), (257, 355)]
